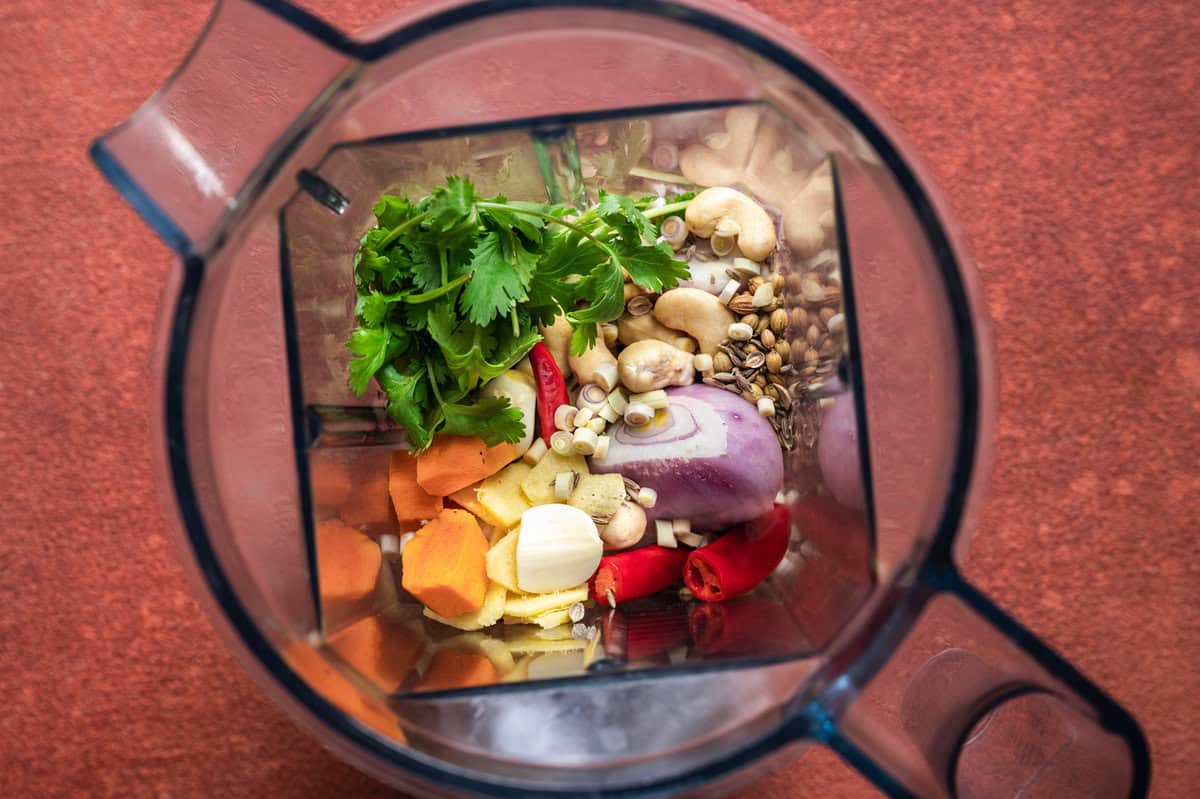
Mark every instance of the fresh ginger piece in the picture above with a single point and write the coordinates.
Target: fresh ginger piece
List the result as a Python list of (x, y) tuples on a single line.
[(527, 607), (487, 615), (468, 499), (454, 462), (452, 668), (599, 495), (411, 502), (501, 561), (538, 485), (443, 565), (501, 496), (382, 651)]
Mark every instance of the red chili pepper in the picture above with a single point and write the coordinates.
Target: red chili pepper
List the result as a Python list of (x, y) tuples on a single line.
[(637, 573), (740, 559), (551, 388)]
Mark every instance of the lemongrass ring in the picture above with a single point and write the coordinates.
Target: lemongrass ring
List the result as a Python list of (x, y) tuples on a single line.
[(564, 416), (562, 442)]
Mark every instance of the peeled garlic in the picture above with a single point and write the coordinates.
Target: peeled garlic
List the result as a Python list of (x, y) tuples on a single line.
[(559, 548)]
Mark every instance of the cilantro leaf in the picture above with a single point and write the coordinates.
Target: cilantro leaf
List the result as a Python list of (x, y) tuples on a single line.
[(450, 205), (500, 269), (407, 396), (622, 215), (652, 268), (604, 290), (390, 211), (372, 308), (492, 418), (511, 218), (371, 345), (473, 353)]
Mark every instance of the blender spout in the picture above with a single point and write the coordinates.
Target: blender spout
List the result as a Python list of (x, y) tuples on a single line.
[(249, 90)]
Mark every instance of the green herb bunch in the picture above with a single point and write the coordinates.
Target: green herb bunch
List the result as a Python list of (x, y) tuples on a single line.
[(451, 291)]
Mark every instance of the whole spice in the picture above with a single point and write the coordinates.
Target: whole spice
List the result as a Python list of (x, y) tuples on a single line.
[(739, 560), (551, 388), (637, 573)]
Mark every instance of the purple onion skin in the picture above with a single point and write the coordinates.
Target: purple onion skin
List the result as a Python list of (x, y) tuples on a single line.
[(837, 453), (715, 462)]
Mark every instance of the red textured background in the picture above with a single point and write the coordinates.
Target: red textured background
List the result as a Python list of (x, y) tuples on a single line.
[(1066, 138)]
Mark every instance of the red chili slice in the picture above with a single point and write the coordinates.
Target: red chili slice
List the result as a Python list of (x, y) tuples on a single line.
[(740, 559), (637, 573)]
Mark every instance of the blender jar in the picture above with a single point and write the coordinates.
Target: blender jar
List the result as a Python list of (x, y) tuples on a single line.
[(259, 163)]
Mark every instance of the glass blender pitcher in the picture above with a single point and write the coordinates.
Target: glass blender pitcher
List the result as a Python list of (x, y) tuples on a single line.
[(259, 164)]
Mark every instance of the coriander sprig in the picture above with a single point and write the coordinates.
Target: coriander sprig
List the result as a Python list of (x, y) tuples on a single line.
[(451, 291)]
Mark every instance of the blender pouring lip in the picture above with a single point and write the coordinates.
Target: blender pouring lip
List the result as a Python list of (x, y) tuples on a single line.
[(251, 636)]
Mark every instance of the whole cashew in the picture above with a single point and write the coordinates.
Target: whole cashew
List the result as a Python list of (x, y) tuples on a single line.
[(648, 365), (625, 528), (708, 164), (596, 365), (557, 338), (730, 213), (697, 313), (632, 328)]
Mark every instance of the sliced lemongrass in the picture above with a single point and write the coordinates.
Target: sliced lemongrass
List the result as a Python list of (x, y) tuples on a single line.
[(606, 375), (638, 414), (664, 533), (618, 401), (647, 497), (582, 417), (602, 444), (562, 442), (535, 452), (585, 441), (722, 244), (656, 399), (564, 484), (608, 413), (730, 289), (596, 425), (747, 265), (702, 362), (592, 396), (766, 406), (389, 544), (564, 416), (681, 526), (691, 539)]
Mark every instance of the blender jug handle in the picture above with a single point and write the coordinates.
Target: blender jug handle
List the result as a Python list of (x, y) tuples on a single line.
[(195, 152), (972, 705)]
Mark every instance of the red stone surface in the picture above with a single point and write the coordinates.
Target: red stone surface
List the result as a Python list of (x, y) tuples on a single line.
[(1065, 137)]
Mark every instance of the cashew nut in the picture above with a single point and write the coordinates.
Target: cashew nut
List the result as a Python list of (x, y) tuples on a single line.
[(697, 313), (557, 338), (648, 365), (596, 365), (625, 528), (750, 153), (728, 212), (632, 328)]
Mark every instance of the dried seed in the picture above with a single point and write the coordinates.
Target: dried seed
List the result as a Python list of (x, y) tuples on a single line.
[(748, 396), (742, 382), (742, 303), (760, 381), (639, 305), (631, 487), (813, 335), (785, 400), (774, 361), (836, 323), (779, 320), (733, 355), (767, 338), (833, 295), (798, 318), (756, 391), (777, 282), (825, 314), (708, 381), (773, 391), (763, 324), (808, 370), (721, 362), (763, 295), (778, 379), (723, 377), (755, 361), (755, 282), (750, 319), (783, 348), (612, 599)]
